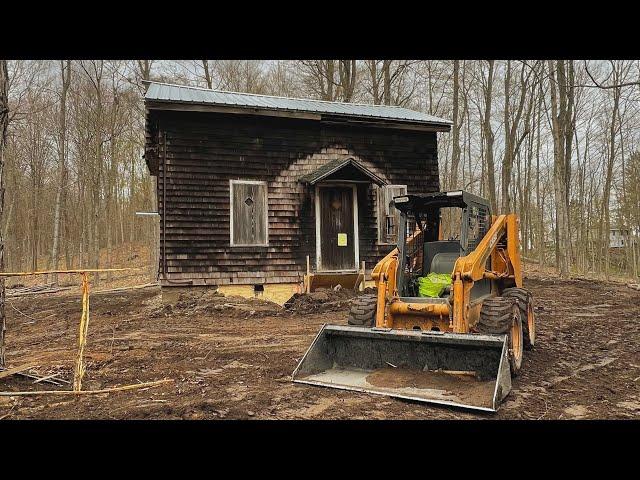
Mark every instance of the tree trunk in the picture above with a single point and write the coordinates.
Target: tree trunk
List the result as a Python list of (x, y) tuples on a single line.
[(34, 224), (347, 74), (4, 122), (375, 81), (386, 69), (62, 169), (455, 128), (512, 143), (488, 138), (606, 223), (562, 118), (329, 73), (207, 74)]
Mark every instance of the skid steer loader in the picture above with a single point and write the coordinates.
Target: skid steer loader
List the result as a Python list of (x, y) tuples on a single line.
[(457, 347)]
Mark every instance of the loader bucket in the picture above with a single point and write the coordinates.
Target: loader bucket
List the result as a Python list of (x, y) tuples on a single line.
[(462, 370)]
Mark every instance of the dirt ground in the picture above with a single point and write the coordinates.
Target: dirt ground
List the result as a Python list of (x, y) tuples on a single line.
[(231, 358)]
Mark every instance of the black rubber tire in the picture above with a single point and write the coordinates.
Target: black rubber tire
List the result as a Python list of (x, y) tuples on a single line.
[(524, 299), (498, 315), (363, 311)]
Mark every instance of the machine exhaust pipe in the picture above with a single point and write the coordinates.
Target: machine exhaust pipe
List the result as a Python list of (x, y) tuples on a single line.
[(461, 370)]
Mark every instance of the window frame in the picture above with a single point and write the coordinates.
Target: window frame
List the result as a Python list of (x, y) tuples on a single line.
[(381, 222), (231, 212)]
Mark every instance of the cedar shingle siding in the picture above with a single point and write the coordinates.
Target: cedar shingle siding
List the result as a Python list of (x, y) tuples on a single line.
[(204, 151)]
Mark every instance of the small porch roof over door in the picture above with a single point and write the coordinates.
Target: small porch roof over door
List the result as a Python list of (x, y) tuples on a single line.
[(345, 169)]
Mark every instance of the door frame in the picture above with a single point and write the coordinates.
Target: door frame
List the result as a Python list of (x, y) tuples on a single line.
[(356, 238)]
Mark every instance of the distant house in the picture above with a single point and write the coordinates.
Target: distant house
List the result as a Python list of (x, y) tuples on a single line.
[(250, 186), (619, 237)]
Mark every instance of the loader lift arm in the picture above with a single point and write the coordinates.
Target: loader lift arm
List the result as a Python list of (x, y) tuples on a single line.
[(384, 275), (472, 266), (505, 266)]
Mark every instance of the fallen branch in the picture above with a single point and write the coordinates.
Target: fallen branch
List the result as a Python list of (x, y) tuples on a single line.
[(122, 289), (634, 286), (12, 371), (24, 314), (9, 412), (458, 372), (48, 377), (24, 293), (89, 392), (58, 381)]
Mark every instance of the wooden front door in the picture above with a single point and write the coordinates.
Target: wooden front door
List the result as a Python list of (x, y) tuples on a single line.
[(337, 229)]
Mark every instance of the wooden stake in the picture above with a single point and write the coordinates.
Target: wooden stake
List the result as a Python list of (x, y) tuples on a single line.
[(82, 336)]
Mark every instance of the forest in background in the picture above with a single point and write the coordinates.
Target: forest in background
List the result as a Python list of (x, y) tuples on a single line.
[(555, 141)]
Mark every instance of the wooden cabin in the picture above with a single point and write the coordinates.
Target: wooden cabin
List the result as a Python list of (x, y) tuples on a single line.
[(262, 195)]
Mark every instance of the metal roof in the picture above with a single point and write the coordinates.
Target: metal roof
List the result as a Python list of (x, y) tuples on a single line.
[(163, 92), (334, 166)]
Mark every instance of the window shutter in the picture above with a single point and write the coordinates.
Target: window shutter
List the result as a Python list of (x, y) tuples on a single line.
[(249, 210)]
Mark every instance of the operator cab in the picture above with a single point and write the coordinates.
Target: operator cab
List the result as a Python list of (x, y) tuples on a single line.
[(439, 228)]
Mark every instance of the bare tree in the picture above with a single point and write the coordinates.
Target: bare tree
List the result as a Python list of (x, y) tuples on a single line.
[(561, 73), (65, 71), (511, 125), (332, 80), (455, 128), (281, 79), (207, 74), (386, 81), (144, 72), (4, 122), (375, 78), (94, 71), (347, 72), (619, 70), (319, 77), (488, 136), (241, 75)]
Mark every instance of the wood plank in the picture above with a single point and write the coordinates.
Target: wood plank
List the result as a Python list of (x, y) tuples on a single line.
[(12, 371)]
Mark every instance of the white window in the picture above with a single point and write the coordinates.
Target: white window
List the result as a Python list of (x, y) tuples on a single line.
[(388, 215), (249, 213)]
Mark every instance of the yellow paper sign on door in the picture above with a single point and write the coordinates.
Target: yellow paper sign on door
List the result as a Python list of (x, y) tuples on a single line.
[(342, 239)]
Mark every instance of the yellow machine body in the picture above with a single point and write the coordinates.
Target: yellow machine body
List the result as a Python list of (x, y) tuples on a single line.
[(463, 314), (430, 349)]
